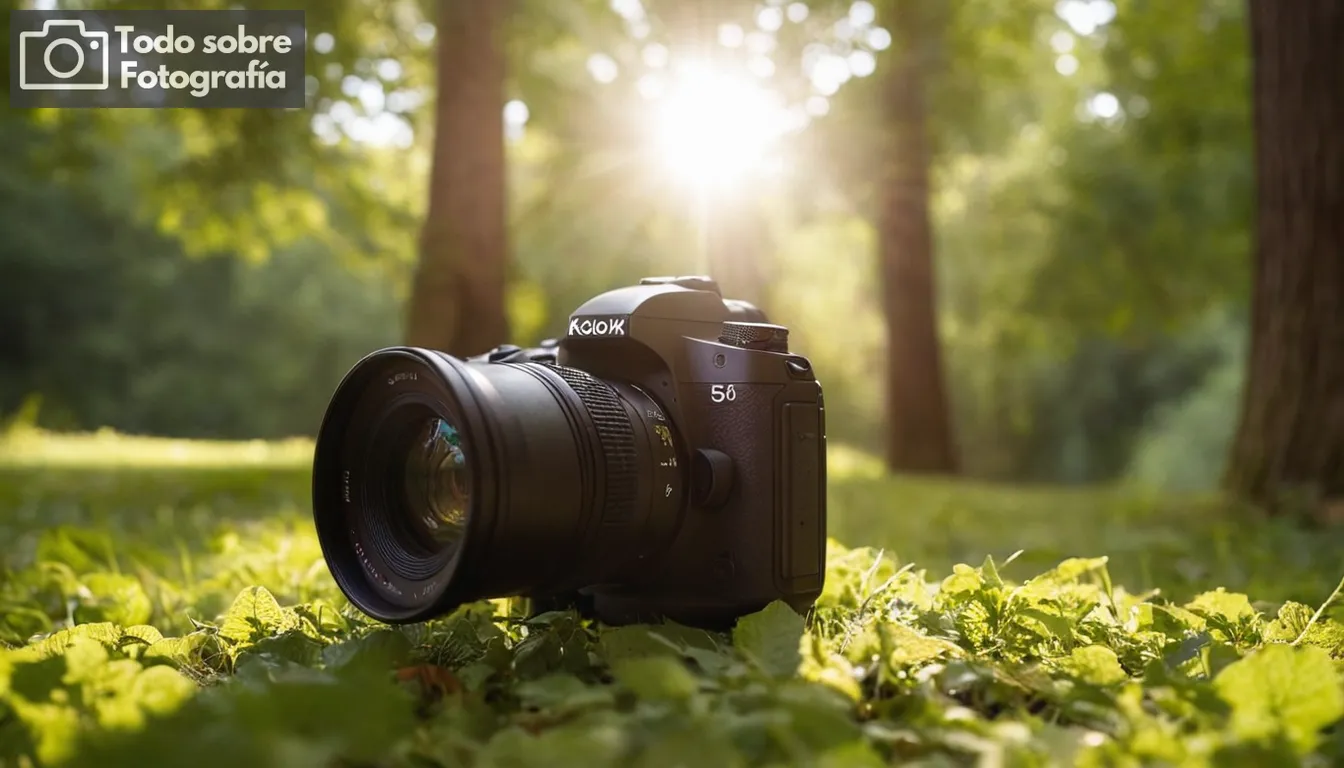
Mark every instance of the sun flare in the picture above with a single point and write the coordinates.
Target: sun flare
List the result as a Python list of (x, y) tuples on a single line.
[(715, 129)]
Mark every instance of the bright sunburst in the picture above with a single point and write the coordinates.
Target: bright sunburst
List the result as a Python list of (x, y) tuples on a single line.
[(714, 129)]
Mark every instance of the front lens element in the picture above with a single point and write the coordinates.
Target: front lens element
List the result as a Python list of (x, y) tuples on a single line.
[(415, 487), (437, 485)]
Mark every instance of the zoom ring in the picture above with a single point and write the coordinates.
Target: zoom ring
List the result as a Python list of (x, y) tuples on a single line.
[(617, 439)]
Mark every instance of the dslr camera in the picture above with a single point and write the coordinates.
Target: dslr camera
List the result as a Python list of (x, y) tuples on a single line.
[(665, 459)]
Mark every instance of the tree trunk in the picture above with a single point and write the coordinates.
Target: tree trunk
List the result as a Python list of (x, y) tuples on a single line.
[(1290, 440), (919, 430), (457, 301)]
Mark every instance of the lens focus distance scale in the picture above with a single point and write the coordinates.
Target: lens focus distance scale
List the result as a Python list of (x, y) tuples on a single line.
[(616, 436)]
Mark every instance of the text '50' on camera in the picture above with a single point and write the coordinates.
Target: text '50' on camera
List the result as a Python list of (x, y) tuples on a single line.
[(664, 459)]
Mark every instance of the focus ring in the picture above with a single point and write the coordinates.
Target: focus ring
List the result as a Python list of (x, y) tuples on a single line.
[(617, 439)]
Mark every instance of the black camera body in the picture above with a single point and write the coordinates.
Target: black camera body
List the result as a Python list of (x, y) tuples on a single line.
[(664, 459)]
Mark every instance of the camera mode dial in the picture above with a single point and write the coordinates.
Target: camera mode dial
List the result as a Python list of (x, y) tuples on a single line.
[(760, 336)]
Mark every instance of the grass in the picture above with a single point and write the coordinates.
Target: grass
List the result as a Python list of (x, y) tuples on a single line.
[(1181, 544), (166, 602), (26, 447)]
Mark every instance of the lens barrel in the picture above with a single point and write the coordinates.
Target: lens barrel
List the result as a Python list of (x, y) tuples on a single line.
[(438, 481)]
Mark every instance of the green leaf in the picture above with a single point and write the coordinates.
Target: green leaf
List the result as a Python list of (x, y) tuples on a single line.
[(143, 633), (964, 580), (1232, 606), (84, 656), (456, 643), (106, 633), (910, 647), (684, 637), (1179, 653), (853, 755), (1095, 664), (1056, 624), (254, 614), (1228, 615), (822, 718), (715, 663), (1284, 690), (321, 620), (632, 642), (18, 623), (136, 640), (1170, 620), (771, 639), (599, 744), (161, 690), (114, 598), (990, 573), (83, 550), (381, 649), (293, 646), (1294, 622), (657, 678), (202, 650), (35, 679), (1071, 571), (540, 653), (562, 694), (476, 675), (1289, 624)]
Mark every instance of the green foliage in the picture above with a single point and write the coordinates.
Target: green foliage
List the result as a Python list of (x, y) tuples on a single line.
[(1183, 544), (1185, 443), (1061, 667), (151, 613), (1283, 692), (251, 182), (109, 324), (770, 639)]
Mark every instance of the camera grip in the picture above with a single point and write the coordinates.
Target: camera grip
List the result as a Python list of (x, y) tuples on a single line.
[(773, 522)]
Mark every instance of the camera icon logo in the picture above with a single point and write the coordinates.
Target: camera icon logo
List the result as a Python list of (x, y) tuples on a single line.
[(64, 56)]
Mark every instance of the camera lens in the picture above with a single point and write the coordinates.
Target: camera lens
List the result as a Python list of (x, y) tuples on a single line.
[(438, 481), (437, 484), (420, 495)]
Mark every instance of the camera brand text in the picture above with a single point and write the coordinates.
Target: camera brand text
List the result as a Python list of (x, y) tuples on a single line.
[(597, 326)]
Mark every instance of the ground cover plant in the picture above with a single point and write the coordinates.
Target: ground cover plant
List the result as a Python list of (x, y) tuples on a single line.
[(167, 604)]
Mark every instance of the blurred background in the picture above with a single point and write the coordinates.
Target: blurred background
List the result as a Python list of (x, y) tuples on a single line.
[(1085, 166)]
